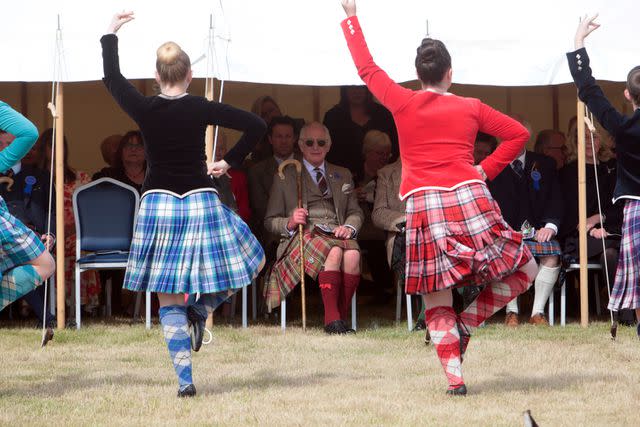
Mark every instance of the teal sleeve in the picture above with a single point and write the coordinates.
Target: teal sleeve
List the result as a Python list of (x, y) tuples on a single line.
[(25, 132)]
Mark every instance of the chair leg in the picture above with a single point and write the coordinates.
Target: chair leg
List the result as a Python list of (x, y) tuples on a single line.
[(283, 315), (409, 314), (148, 310), (354, 323), (136, 307), (551, 313), (244, 307), (109, 292), (597, 292), (563, 303), (77, 297), (254, 300), (398, 301), (52, 295)]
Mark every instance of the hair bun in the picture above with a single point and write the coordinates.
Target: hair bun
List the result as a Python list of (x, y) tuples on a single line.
[(168, 53)]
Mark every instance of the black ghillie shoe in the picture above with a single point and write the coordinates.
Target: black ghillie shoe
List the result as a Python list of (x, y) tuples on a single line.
[(458, 391), (196, 330), (427, 338), (188, 391), (48, 336)]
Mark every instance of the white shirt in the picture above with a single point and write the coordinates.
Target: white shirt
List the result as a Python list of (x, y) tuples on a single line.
[(279, 160)]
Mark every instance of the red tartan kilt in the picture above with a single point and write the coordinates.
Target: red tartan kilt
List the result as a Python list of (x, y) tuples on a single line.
[(458, 238), (285, 273)]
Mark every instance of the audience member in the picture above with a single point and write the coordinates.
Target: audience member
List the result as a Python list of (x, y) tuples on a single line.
[(348, 121), (529, 196), (89, 282), (552, 144), (129, 164), (485, 144), (331, 218), (267, 108)]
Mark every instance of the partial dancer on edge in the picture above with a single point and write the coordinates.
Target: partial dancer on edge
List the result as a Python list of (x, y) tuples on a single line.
[(24, 261), (626, 133), (185, 240), (455, 234)]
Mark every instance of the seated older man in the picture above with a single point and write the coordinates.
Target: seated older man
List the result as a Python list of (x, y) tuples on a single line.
[(331, 218)]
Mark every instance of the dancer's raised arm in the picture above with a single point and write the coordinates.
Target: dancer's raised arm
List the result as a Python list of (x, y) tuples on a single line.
[(25, 134), (391, 95)]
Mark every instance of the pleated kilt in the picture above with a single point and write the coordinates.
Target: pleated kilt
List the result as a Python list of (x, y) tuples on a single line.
[(626, 288), (190, 244), (285, 273), (458, 238), (539, 249), (18, 245)]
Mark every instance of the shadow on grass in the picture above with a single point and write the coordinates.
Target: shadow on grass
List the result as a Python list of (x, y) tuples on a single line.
[(263, 380), (512, 382)]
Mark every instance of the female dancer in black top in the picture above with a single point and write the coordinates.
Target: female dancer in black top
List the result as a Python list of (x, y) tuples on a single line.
[(185, 241)]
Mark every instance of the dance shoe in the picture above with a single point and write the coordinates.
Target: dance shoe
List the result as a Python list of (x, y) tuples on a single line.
[(48, 336), (421, 325), (337, 327), (458, 391), (538, 320), (187, 391), (196, 330), (511, 319)]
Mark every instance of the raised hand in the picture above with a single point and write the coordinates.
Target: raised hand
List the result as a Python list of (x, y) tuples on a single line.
[(349, 7), (585, 27), (118, 20)]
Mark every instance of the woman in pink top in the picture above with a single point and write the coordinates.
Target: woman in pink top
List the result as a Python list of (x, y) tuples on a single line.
[(456, 235)]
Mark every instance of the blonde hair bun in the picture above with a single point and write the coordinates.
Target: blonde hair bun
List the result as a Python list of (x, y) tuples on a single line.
[(168, 53)]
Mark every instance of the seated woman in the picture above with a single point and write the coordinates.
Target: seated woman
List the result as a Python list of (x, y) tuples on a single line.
[(130, 164), (331, 218), (612, 213)]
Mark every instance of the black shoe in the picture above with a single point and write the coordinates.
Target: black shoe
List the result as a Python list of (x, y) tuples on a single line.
[(188, 391), (421, 325), (347, 329), (458, 391), (48, 336), (427, 338), (335, 327), (196, 330)]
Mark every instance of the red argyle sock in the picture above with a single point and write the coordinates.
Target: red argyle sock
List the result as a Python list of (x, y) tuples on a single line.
[(446, 339)]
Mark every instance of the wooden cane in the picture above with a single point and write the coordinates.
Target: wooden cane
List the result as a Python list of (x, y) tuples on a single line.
[(298, 166)]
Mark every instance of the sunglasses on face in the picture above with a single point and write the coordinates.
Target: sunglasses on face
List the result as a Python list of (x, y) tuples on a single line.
[(320, 142)]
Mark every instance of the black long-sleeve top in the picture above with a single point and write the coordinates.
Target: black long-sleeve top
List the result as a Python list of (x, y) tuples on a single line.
[(174, 129), (625, 130)]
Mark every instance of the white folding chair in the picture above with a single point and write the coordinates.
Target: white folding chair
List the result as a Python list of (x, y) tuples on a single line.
[(563, 294)]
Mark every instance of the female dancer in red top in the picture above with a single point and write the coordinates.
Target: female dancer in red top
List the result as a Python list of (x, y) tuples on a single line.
[(455, 233)]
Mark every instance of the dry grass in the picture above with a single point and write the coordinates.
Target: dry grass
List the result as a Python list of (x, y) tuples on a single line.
[(120, 375)]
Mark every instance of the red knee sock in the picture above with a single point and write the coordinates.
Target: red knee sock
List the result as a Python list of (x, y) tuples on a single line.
[(444, 335), (330, 284), (350, 283), (493, 297)]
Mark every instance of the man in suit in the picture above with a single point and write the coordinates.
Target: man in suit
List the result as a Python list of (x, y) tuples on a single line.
[(282, 138), (331, 218), (529, 196), (25, 190)]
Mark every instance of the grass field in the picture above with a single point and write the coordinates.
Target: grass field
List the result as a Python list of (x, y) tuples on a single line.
[(121, 375)]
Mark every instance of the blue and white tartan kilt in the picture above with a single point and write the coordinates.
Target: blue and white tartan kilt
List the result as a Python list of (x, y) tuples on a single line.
[(538, 249), (18, 245), (189, 245), (626, 288)]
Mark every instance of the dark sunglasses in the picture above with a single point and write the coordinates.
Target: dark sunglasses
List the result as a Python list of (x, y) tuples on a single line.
[(309, 142)]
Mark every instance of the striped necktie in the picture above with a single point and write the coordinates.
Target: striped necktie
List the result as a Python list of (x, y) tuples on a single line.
[(322, 182)]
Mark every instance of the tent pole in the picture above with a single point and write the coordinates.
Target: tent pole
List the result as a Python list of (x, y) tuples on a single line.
[(59, 181), (582, 218)]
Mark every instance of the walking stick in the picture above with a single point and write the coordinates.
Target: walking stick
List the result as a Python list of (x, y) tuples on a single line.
[(298, 166)]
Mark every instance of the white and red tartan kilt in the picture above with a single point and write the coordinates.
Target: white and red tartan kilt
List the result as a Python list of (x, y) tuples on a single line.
[(458, 238), (285, 273)]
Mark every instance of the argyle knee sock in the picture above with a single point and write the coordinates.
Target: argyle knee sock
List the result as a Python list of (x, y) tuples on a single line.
[(544, 283), (446, 339), (176, 335), (330, 283), (350, 284), (17, 282), (493, 297)]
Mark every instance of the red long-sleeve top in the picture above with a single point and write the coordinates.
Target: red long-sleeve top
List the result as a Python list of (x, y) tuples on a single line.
[(436, 132)]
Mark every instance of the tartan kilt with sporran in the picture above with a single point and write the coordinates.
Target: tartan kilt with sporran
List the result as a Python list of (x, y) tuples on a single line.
[(458, 238), (285, 273), (539, 249), (18, 246)]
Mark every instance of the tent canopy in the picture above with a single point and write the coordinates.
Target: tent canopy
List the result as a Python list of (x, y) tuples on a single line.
[(297, 42)]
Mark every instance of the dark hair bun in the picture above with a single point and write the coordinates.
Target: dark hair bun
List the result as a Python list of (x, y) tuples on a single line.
[(432, 61)]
